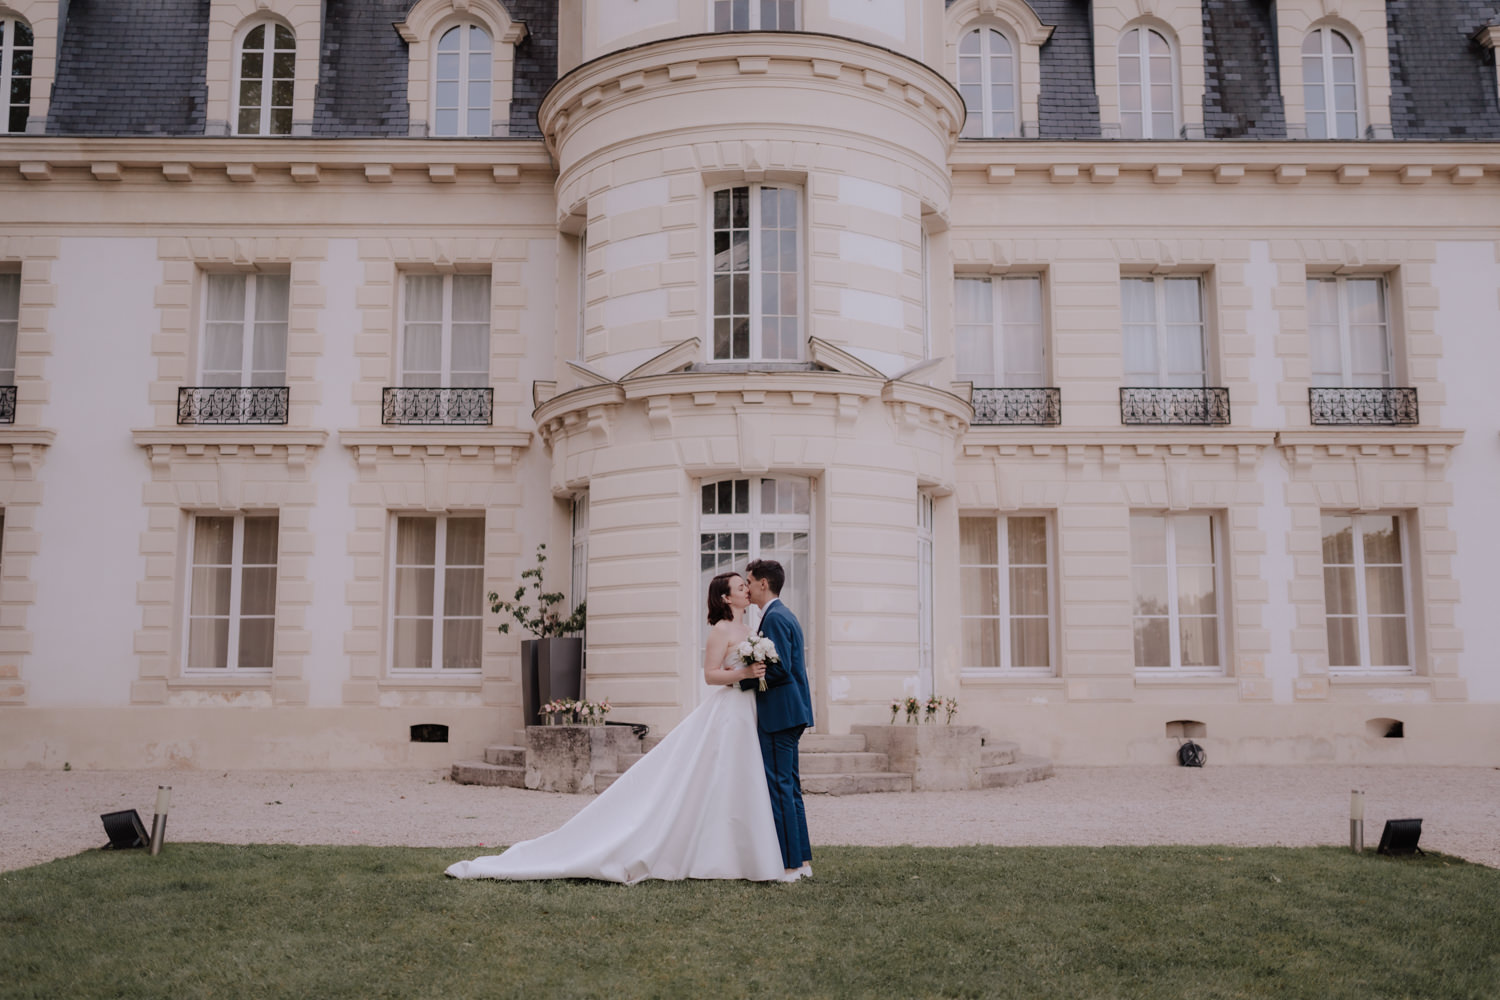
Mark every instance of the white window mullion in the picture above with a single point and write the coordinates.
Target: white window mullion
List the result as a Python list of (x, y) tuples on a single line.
[(268, 57), (236, 586), (1346, 336), (1361, 596), (1163, 366), (1000, 372), (247, 335), (439, 591), (1002, 591), (757, 271)]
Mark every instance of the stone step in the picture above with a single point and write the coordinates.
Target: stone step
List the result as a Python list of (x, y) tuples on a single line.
[(505, 756), (650, 742), (625, 760), (477, 772), (998, 754), (603, 781), (828, 743), (855, 784), (826, 762), (1023, 770)]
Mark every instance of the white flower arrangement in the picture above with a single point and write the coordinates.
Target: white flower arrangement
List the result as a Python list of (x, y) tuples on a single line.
[(566, 711), (757, 649)]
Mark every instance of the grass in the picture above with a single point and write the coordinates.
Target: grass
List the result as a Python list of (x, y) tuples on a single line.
[(204, 920)]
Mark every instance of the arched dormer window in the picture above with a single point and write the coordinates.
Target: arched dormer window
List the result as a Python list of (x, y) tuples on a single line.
[(755, 15), (987, 79), (1330, 85), (461, 82), (1149, 105), (264, 82), (459, 66), (16, 46)]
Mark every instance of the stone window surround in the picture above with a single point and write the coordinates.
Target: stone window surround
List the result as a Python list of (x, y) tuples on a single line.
[(41, 16), (1004, 670), (756, 272), (1209, 277), (1019, 23), (1363, 22), (425, 24), (1182, 25), (229, 22)]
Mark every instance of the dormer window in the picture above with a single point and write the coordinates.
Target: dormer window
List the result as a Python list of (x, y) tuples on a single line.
[(1330, 82), (1148, 85), (461, 82), (16, 45), (987, 81), (267, 69), (755, 15)]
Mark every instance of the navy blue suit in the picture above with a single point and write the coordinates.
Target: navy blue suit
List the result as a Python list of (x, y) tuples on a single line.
[(783, 711)]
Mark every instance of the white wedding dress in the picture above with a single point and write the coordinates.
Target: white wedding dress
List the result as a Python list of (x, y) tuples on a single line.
[(696, 806)]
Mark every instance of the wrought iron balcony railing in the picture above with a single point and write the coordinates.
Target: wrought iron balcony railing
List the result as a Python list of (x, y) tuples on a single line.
[(1206, 406), (213, 404), (1395, 405), (7, 404), (445, 405), (1038, 407)]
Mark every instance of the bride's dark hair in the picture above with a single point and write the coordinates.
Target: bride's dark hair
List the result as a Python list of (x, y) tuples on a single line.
[(718, 598)]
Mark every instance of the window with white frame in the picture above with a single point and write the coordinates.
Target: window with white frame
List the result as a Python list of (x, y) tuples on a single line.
[(1165, 339), (1174, 569), (998, 332), (580, 575), (757, 274), (1005, 611), (755, 15), (438, 593), (1330, 85), (987, 81), (232, 592), (1349, 331), (267, 73), (16, 49), (759, 518), (1365, 593), (244, 329), (581, 245), (461, 82), (924, 595), (1148, 85), (445, 330), (10, 322)]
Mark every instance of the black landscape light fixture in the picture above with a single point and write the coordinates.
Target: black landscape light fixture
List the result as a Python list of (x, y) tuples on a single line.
[(124, 830), (1400, 836)]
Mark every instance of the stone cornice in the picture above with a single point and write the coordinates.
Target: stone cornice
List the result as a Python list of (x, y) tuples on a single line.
[(25, 445), (289, 444), (433, 441), (1303, 447), (1115, 444)]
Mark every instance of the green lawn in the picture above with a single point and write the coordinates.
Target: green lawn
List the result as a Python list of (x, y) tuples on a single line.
[(205, 920)]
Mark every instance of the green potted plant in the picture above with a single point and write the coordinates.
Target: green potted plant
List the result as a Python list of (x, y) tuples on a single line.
[(551, 661)]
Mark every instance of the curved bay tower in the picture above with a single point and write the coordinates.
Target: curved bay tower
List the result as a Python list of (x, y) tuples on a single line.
[(1118, 369)]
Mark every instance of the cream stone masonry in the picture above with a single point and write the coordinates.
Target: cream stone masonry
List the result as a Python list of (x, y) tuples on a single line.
[(1364, 23), (229, 22), (1018, 22), (424, 26), (1181, 23)]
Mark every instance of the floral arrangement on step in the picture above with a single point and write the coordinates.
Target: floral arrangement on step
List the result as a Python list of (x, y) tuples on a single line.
[(568, 712), (924, 711)]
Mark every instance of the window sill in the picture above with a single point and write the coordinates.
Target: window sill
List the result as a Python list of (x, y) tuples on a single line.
[(466, 680), (999, 675), (246, 680), (1404, 679), (1186, 680)]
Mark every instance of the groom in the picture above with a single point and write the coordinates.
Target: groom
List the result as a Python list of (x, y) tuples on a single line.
[(783, 710)]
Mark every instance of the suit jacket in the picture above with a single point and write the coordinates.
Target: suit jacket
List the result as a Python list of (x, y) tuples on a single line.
[(787, 701)]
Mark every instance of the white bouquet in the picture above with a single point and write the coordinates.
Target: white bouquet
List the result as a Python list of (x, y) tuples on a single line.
[(757, 649)]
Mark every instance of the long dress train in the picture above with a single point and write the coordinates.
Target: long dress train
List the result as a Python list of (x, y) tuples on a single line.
[(696, 806)]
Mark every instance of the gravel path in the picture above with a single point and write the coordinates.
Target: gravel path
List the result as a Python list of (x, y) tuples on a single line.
[(51, 814)]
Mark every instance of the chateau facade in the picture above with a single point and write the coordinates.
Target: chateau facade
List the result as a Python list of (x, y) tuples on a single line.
[(1123, 369)]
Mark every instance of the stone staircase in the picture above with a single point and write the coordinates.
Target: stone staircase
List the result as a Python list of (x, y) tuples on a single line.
[(831, 765)]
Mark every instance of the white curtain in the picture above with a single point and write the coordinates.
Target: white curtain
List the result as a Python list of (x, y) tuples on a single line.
[(471, 330), (272, 306), (10, 314), (422, 337), (974, 331), (1021, 316)]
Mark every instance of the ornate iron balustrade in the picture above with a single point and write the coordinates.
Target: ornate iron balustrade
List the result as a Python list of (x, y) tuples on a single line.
[(7, 404), (212, 404), (1040, 407), (446, 405), (1376, 405), (1207, 406)]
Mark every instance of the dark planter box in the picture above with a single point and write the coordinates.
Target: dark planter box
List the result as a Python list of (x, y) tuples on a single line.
[(550, 669)]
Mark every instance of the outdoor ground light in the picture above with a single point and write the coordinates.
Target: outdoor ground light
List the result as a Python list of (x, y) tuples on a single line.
[(1400, 836), (124, 830), (1356, 821), (159, 820)]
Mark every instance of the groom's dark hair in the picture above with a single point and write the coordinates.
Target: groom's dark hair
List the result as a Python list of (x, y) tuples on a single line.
[(770, 571)]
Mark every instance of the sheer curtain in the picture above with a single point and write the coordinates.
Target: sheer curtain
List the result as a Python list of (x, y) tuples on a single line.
[(272, 307), (470, 354), (1021, 319), (974, 331), (10, 314)]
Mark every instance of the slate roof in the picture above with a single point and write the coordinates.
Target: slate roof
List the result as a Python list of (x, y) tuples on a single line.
[(536, 63), (1242, 92), (133, 68), (1442, 81), (1069, 106), (362, 76)]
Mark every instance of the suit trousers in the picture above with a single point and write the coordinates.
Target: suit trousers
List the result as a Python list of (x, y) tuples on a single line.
[(779, 752)]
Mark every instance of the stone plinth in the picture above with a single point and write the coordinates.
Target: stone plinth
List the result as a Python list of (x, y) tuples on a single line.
[(566, 758), (938, 757)]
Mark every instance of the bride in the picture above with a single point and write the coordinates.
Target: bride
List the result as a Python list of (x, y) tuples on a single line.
[(696, 806)]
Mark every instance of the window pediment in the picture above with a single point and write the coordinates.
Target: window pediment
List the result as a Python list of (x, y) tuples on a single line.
[(1014, 14), (425, 17)]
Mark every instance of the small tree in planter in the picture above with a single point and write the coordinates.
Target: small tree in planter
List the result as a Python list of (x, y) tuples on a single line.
[(551, 662)]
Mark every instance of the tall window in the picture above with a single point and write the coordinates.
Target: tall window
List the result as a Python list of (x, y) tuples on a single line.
[(1174, 566), (987, 82), (999, 333), (1349, 332), (445, 330), (1164, 334), (1364, 591), (15, 73), (268, 67), (1005, 615), (759, 518), (1148, 85), (755, 15), (757, 274), (232, 596), (580, 575), (1330, 85), (439, 592), (582, 288), (244, 329), (461, 88), (924, 595), (10, 321)]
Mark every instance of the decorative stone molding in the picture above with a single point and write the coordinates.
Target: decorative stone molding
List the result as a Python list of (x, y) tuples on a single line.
[(498, 447), (1304, 449), (229, 21), (1364, 23), (292, 446), (1181, 23), (1018, 22)]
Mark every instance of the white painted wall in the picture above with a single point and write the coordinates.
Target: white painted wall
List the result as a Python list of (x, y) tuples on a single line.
[(1467, 278), (1263, 325), (91, 519)]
